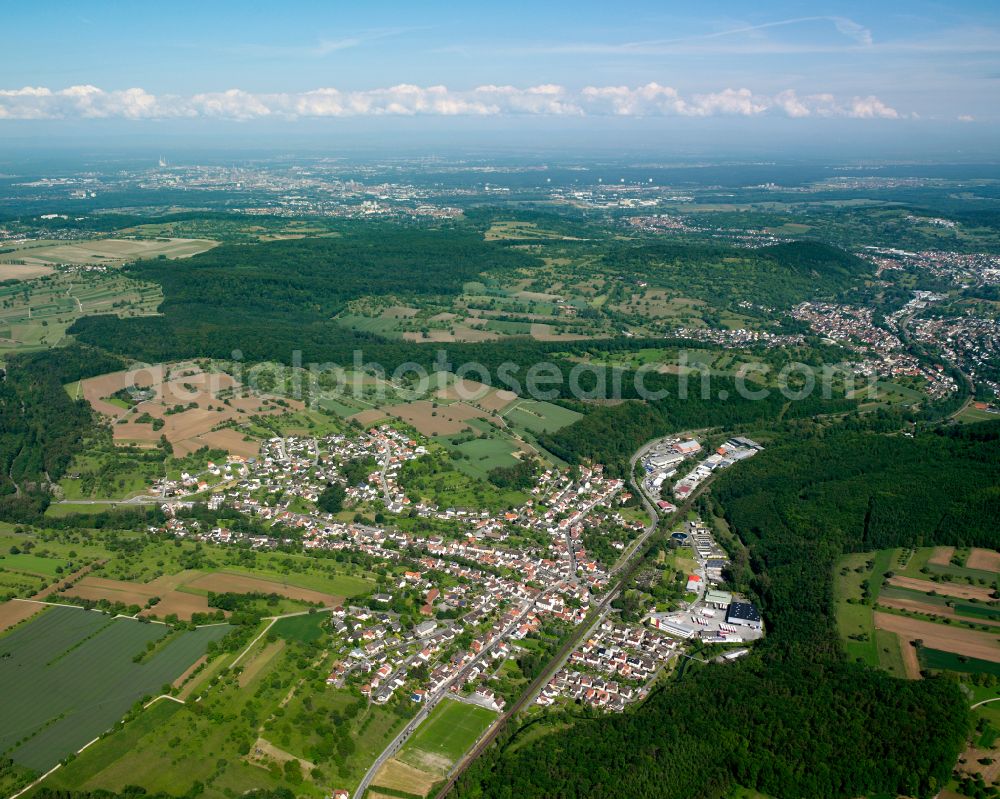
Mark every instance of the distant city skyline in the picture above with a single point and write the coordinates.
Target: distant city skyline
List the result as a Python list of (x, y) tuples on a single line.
[(916, 69)]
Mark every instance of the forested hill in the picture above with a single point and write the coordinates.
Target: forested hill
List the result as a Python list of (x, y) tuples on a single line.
[(314, 278), (269, 299), (795, 719), (777, 276)]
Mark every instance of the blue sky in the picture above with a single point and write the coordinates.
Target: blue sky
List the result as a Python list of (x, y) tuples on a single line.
[(909, 63)]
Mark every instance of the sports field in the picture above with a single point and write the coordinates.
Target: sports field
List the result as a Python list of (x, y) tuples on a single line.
[(68, 675), (447, 734)]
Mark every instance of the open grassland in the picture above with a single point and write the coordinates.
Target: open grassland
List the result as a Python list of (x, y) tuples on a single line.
[(890, 655), (69, 675), (306, 628), (32, 564), (480, 455)]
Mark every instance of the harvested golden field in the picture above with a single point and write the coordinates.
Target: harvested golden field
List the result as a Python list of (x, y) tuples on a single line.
[(400, 776), (944, 589), (466, 390), (987, 560), (222, 582), (14, 611), (23, 271), (443, 420), (941, 556), (368, 417), (496, 400), (971, 643), (96, 588), (179, 603), (459, 333), (105, 252), (399, 312), (171, 601), (233, 441), (911, 663)]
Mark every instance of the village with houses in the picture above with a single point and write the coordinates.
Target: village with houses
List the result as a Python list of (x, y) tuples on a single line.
[(482, 595)]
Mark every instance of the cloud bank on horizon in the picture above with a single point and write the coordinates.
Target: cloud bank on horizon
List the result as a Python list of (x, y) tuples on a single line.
[(648, 100)]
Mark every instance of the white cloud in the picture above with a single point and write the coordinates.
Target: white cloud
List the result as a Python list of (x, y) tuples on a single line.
[(649, 100), (966, 118), (870, 107)]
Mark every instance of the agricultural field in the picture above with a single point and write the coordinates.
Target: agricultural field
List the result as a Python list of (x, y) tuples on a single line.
[(69, 675), (191, 406), (133, 569), (271, 721), (186, 594), (887, 600), (34, 314), (553, 304), (99, 252), (440, 741)]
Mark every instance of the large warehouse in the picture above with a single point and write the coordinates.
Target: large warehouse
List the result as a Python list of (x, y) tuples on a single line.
[(744, 614)]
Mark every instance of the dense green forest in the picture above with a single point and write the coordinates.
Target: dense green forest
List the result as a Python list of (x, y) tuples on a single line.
[(779, 276), (41, 426), (795, 718)]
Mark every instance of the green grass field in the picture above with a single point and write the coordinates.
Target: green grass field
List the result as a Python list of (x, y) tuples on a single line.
[(450, 730), (481, 455), (32, 564), (855, 619), (68, 676), (936, 659), (539, 417), (890, 658), (971, 415), (309, 627), (347, 585)]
